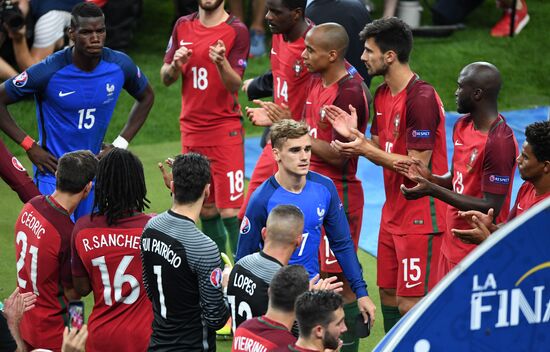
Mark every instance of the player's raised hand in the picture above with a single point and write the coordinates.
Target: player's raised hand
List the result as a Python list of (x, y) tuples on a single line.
[(367, 309), (475, 235), (329, 284), (485, 219), (274, 111), (422, 189), (357, 146), (29, 298), (166, 176), (340, 120), (181, 56), (216, 52), (14, 307), (258, 117), (43, 160), (412, 167)]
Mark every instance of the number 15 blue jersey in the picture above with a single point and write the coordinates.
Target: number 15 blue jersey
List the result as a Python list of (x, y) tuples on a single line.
[(74, 107)]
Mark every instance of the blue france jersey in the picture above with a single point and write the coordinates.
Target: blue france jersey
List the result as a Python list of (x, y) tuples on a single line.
[(321, 206), (74, 107)]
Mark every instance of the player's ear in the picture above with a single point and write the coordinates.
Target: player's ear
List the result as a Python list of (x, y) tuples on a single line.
[(87, 189), (264, 233), (172, 187), (390, 56), (299, 240), (318, 331), (276, 154), (207, 191)]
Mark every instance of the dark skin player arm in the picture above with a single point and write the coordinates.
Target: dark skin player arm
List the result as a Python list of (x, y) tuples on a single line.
[(39, 156)]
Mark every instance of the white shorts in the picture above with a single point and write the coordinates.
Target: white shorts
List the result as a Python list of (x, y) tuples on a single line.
[(50, 28)]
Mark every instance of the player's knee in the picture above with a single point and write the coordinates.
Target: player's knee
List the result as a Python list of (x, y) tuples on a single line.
[(406, 303), (387, 296), (228, 212), (209, 211)]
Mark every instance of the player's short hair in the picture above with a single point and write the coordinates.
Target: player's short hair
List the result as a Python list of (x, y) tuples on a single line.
[(120, 186), (333, 36), (316, 308), (191, 173), (288, 283), (390, 34), (75, 170), (84, 10), (537, 135), (286, 129), (294, 4), (284, 223)]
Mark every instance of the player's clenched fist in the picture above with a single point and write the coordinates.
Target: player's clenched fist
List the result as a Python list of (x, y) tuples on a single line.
[(181, 56), (217, 52)]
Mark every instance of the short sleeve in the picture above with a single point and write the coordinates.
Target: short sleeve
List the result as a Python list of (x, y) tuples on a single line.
[(423, 117), (170, 47), (241, 46), (29, 82), (351, 93), (134, 80), (499, 161)]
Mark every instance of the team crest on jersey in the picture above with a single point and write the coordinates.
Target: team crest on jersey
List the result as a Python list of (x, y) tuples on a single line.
[(242, 63), (396, 122), (110, 88), (297, 67), (320, 212), (245, 226), (473, 156), (216, 278), (17, 164), (21, 79)]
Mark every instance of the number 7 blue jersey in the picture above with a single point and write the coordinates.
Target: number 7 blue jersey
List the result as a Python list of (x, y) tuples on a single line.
[(321, 206), (74, 107)]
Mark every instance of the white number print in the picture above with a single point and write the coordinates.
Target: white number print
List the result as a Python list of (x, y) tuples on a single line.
[(243, 310), (119, 280), (86, 118), (389, 147), (282, 89), (22, 238), (303, 245), (410, 265), (200, 78), (236, 181), (157, 269), (458, 183)]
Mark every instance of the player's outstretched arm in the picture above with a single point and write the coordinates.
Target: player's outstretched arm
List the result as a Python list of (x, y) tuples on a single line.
[(43, 160), (230, 78)]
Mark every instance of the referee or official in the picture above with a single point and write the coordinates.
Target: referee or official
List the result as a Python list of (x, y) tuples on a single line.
[(182, 266)]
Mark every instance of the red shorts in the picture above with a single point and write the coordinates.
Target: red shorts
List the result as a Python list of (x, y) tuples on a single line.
[(227, 170), (444, 265), (15, 175), (329, 264), (407, 263), (265, 167)]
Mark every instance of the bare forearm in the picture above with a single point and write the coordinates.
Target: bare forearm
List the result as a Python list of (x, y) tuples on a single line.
[(445, 181), (13, 327), (169, 74), (324, 151), (464, 202), (231, 79), (138, 114), (382, 158)]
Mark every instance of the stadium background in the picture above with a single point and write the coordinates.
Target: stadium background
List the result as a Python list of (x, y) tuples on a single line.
[(523, 62)]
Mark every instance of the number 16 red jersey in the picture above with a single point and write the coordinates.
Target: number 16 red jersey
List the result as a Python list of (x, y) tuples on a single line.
[(109, 256)]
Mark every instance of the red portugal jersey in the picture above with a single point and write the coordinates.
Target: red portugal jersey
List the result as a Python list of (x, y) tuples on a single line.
[(482, 163), (261, 334), (42, 244), (346, 91), (526, 198), (290, 76), (110, 257), (207, 107), (414, 119)]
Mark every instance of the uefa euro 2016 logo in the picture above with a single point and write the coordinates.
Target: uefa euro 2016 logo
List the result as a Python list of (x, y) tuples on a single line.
[(532, 302)]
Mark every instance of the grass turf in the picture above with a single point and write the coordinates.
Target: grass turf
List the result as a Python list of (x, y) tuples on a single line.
[(522, 62)]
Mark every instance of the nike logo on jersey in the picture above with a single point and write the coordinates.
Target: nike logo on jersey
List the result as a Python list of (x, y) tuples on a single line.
[(182, 43), (413, 285), (308, 102), (234, 198), (64, 94), (273, 52), (458, 143), (519, 207), (330, 262), (378, 113)]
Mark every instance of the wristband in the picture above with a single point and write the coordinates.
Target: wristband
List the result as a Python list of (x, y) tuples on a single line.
[(27, 143), (120, 142)]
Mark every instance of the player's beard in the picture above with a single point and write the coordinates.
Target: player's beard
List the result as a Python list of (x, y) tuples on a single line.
[(330, 342), (212, 7)]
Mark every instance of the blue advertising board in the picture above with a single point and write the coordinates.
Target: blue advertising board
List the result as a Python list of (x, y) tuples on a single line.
[(496, 299)]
